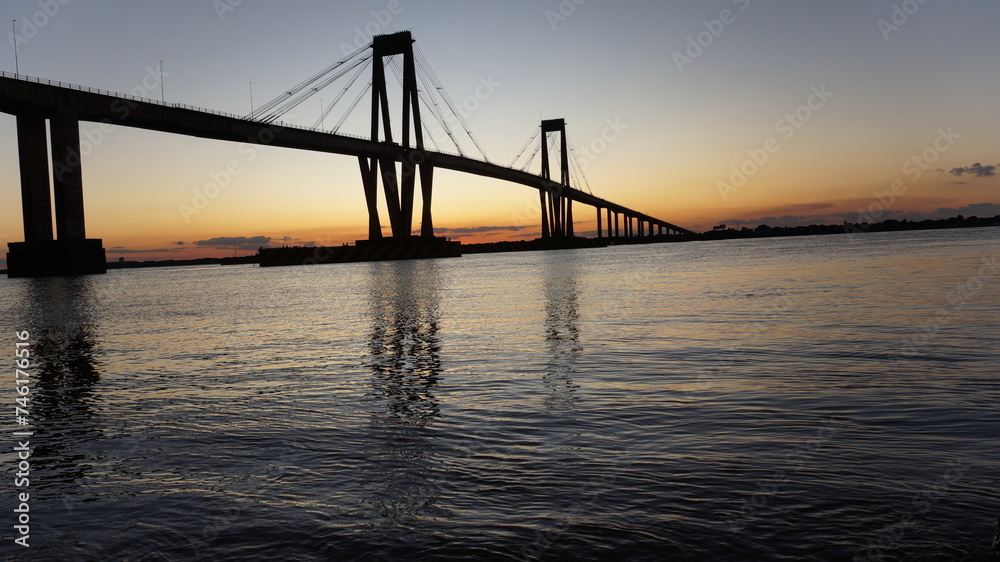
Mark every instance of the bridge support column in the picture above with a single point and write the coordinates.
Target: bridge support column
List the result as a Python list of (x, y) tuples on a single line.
[(556, 214), (545, 213), (569, 217), (68, 175), (408, 188), (391, 187), (426, 187), (617, 234), (369, 178), (599, 235), (72, 253), (36, 203)]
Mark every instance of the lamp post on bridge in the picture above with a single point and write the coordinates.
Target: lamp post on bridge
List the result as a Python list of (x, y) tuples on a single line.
[(17, 67), (162, 97), (251, 100)]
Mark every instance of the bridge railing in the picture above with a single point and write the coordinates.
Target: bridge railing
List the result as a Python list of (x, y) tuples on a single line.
[(79, 88), (460, 155), (141, 99)]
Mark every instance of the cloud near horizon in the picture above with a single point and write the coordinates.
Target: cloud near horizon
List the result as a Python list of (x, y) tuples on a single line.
[(238, 242), (975, 210), (130, 251), (976, 170)]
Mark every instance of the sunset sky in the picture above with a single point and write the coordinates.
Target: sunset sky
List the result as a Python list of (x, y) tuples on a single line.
[(698, 112)]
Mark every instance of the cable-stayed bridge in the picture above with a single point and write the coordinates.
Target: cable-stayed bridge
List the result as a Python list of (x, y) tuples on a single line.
[(395, 162)]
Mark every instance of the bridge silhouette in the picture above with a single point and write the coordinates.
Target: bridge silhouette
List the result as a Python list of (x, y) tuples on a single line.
[(33, 101)]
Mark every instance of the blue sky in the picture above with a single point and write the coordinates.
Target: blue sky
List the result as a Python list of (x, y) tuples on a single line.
[(696, 88)]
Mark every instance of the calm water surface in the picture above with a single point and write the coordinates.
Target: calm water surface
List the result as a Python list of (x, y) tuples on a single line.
[(820, 398)]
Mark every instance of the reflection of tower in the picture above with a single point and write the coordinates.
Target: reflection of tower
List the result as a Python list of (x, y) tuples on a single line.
[(64, 372), (404, 343), (562, 312), (404, 357)]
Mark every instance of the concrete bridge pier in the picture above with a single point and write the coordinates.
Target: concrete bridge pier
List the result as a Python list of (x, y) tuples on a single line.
[(71, 252), (36, 203)]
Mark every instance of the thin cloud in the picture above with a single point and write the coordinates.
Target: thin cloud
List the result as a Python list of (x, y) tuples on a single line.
[(238, 242), (130, 251), (974, 210), (975, 170)]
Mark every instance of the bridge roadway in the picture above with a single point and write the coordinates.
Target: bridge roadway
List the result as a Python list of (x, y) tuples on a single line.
[(52, 100)]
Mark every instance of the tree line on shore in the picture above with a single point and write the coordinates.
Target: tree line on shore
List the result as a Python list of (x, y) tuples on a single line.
[(888, 225)]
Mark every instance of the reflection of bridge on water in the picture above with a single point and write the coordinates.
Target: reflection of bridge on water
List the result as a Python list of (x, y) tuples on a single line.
[(398, 165), (562, 332), (407, 467), (404, 356), (404, 347), (64, 405)]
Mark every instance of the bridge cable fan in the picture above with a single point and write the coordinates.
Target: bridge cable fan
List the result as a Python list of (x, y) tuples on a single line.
[(329, 108), (269, 108)]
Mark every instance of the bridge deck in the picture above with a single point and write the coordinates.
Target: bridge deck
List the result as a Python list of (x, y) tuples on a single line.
[(49, 99)]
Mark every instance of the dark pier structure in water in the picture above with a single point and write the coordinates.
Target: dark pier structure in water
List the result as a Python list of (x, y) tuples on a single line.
[(396, 165)]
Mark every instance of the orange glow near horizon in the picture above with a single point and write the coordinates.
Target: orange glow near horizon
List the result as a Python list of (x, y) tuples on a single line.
[(135, 198)]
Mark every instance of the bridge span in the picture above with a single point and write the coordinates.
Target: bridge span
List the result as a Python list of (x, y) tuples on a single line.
[(33, 101)]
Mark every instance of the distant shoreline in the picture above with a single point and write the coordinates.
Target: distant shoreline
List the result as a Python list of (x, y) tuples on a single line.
[(762, 231), (890, 225)]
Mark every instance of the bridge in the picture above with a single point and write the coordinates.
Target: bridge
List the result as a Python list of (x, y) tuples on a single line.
[(399, 164)]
